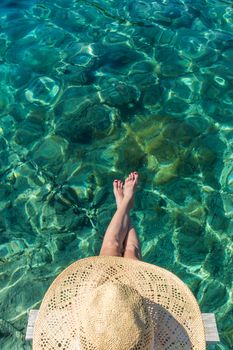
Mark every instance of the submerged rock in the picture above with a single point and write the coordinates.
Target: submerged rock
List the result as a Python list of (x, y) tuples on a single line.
[(88, 123), (152, 95), (142, 74), (176, 106), (139, 9), (191, 236), (49, 35), (3, 47), (115, 38), (190, 46), (120, 57), (7, 250), (75, 100), (228, 54), (184, 88), (38, 58), (214, 294), (129, 155), (82, 59), (51, 152), (76, 75), (40, 11), (118, 93), (27, 132), (5, 101), (43, 91), (171, 63)]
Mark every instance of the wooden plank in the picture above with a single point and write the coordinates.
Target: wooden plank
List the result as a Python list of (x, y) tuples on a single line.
[(211, 331), (31, 322)]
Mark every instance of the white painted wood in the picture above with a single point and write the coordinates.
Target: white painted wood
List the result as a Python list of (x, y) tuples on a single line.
[(31, 322), (211, 330)]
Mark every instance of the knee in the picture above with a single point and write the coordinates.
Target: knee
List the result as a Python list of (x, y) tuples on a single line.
[(111, 248), (113, 245), (131, 247), (132, 250)]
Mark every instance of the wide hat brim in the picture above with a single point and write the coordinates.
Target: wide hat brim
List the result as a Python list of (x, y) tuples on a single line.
[(174, 310)]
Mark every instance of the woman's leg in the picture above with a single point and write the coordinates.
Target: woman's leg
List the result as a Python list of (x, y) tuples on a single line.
[(119, 225), (132, 248), (118, 190)]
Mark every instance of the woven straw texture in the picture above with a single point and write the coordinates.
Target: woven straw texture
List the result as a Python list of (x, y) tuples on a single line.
[(174, 312), (101, 326)]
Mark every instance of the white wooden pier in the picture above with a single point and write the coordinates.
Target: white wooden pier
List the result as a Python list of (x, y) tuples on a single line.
[(211, 331)]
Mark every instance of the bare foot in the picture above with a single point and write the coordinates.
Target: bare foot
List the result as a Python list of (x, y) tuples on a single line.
[(118, 191), (130, 186)]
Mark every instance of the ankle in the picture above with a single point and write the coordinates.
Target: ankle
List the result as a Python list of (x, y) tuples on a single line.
[(125, 204)]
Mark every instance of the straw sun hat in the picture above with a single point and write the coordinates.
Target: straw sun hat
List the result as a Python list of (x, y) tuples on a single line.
[(114, 303)]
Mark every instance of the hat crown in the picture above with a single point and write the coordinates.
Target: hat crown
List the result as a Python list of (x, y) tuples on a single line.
[(115, 316)]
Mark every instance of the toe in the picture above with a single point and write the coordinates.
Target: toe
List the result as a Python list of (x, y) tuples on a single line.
[(135, 176), (127, 179)]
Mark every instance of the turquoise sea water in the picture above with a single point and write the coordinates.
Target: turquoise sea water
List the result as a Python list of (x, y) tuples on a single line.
[(89, 91)]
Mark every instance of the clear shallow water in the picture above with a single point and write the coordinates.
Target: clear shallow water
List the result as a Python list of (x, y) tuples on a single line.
[(89, 91)]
